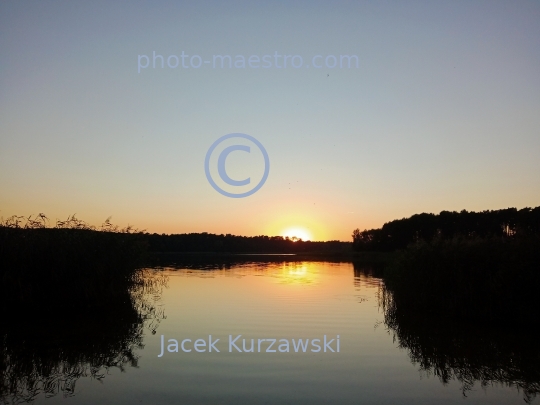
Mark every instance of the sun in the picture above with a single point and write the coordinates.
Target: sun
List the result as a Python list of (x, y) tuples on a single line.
[(297, 233)]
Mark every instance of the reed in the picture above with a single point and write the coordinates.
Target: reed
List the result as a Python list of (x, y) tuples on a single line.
[(42, 265), (482, 280)]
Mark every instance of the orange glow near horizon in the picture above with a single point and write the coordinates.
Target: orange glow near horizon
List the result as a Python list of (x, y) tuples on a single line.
[(293, 222), (297, 232)]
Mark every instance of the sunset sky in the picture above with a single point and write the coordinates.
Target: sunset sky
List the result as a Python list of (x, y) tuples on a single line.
[(442, 113)]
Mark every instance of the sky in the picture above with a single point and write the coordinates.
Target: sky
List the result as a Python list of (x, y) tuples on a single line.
[(442, 112)]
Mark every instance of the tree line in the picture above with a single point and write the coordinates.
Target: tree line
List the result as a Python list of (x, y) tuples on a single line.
[(227, 243), (398, 234)]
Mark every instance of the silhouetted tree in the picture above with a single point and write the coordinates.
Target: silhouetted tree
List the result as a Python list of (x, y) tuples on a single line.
[(398, 234)]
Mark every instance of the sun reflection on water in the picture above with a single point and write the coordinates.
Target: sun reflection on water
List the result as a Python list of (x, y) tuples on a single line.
[(297, 273)]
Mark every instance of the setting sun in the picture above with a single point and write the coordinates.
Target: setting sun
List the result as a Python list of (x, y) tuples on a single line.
[(297, 232)]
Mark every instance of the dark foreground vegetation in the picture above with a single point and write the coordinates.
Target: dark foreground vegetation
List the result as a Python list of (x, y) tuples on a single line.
[(468, 266), (482, 280), (74, 303), (71, 262)]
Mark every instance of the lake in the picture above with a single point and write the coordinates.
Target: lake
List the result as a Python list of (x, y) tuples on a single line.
[(249, 332)]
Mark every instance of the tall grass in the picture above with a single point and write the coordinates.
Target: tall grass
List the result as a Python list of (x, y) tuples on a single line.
[(43, 265)]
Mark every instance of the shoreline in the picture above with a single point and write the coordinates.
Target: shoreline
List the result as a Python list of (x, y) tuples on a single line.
[(364, 257)]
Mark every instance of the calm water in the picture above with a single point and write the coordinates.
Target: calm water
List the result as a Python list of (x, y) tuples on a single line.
[(113, 357)]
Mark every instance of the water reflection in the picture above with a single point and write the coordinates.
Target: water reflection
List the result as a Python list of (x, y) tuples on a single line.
[(284, 272), (367, 275), (234, 261), (467, 353), (48, 353), (297, 273)]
